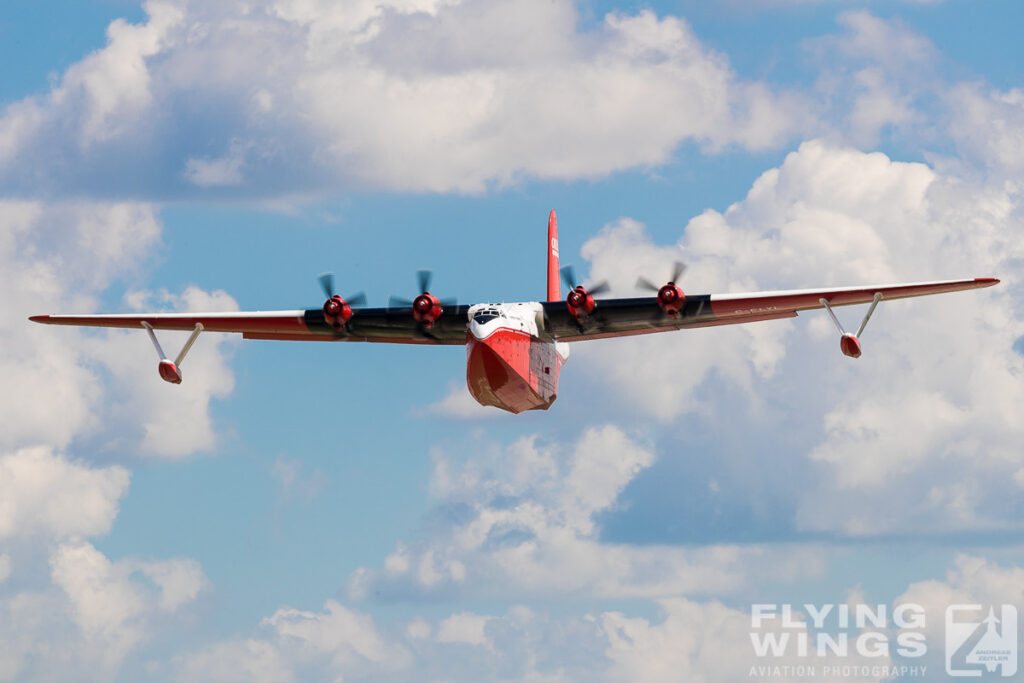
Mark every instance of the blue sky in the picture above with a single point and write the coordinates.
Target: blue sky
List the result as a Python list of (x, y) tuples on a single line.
[(325, 512)]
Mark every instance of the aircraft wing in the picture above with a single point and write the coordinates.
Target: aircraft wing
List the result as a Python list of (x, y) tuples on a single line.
[(388, 325), (626, 317), (610, 318)]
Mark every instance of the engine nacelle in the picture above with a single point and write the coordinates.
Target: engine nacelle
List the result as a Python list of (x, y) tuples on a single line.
[(169, 372), (337, 312), (671, 299), (580, 303), (426, 309)]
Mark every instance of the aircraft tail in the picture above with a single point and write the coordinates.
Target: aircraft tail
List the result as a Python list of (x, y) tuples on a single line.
[(554, 285)]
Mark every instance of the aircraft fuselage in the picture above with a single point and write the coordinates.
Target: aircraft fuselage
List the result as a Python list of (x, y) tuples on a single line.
[(509, 364)]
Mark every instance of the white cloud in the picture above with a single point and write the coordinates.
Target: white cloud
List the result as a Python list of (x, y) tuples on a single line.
[(89, 616), (44, 493), (104, 604), (297, 480), (302, 645), (877, 78), (522, 523), (465, 627), (166, 420), (68, 608), (434, 96), (988, 127), (58, 257), (971, 580), (348, 637), (686, 639), (214, 172), (238, 661), (708, 642), (459, 404), (179, 580), (888, 42), (112, 85), (929, 409)]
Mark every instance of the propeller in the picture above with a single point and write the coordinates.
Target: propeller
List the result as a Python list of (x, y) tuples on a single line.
[(670, 297), (426, 308), (580, 300), (327, 283), (569, 278), (678, 268), (423, 280)]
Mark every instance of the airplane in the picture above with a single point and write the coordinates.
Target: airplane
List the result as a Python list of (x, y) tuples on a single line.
[(515, 351)]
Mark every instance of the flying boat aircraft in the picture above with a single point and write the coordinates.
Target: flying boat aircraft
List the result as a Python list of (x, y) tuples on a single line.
[(515, 351)]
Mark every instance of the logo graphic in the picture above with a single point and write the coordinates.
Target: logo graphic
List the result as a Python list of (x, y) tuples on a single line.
[(977, 645)]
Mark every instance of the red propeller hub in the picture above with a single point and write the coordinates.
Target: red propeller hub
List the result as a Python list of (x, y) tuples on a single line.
[(426, 309), (671, 299), (580, 302), (337, 312)]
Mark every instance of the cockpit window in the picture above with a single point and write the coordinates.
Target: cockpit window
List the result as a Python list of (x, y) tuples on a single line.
[(486, 315)]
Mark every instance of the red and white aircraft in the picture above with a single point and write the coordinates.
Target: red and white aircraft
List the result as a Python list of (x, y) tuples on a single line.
[(515, 351)]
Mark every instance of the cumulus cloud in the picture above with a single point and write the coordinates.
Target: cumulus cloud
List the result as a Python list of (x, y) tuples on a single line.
[(60, 258), (459, 404), (103, 604), (44, 493), (676, 639), (520, 520), (889, 422), (988, 127), (349, 638), (167, 421), (79, 610), (234, 661), (709, 642), (292, 97), (66, 606), (336, 644), (877, 79), (972, 580)]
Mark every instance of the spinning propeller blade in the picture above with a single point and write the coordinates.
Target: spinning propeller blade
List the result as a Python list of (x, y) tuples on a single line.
[(327, 282), (644, 283), (424, 278), (569, 278), (399, 302)]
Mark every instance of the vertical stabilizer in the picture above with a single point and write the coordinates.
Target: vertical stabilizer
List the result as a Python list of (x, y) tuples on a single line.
[(554, 285)]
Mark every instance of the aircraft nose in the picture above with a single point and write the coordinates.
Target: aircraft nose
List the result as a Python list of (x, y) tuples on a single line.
[(477, 330)]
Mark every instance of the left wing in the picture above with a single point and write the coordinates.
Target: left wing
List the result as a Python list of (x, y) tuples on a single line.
[(627, 317), (387, 325)]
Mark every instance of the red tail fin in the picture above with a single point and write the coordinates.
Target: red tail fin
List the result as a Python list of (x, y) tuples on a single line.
[(554, 285)]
